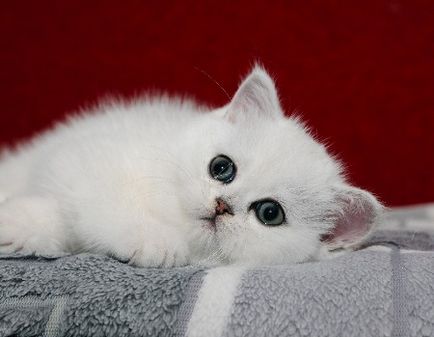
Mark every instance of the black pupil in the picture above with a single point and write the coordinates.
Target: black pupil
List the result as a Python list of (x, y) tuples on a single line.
[(223, 169), (271, 212)]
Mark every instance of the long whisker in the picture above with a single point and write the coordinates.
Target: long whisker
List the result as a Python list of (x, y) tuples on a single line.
[(213, 80)]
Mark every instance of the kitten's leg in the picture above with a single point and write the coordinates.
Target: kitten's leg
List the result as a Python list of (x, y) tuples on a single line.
[(161, 246), (31, 225), (127, 233)]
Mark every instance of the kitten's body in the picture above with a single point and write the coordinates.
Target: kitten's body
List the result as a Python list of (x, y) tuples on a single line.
[(132, 180)]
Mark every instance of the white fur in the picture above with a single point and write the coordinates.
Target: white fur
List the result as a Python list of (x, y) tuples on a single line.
[(131, 180)]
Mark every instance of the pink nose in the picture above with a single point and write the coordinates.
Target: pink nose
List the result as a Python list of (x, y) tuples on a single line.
[(222, 207)]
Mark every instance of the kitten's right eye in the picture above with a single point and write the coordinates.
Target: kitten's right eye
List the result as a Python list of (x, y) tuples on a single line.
[(223, 169)]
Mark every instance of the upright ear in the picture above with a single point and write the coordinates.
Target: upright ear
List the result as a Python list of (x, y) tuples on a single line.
[(356, 216), (256, 96)]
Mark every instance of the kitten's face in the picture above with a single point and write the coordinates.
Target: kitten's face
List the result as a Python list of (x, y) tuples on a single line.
[(264, 190)]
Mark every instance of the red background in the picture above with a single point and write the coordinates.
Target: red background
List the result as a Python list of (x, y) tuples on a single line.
[(362, 72)]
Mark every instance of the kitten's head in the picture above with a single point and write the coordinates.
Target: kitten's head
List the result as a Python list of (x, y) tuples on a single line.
[(261, 189)]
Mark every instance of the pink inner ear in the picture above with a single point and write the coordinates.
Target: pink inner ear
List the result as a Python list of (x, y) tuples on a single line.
[(355, 221), (350, 228)]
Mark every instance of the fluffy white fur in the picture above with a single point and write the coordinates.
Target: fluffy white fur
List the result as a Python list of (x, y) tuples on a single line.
[(131, 180)]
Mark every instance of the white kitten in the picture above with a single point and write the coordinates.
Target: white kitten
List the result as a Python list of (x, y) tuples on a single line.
[(164, 182)]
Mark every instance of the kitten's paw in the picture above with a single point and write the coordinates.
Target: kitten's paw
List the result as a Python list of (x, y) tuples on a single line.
[(28, 226), (163, 250)]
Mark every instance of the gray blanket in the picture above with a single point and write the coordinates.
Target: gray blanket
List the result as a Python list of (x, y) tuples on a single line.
[(385, 289)]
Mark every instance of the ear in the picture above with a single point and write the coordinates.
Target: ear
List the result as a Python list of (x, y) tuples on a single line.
[(256, 96), (357, 214)]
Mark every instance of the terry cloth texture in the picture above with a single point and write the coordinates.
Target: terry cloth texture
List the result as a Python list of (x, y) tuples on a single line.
[(90, 295), (385, 289)]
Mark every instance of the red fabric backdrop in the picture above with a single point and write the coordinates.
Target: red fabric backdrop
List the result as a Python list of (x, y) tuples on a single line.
[(362, 72)]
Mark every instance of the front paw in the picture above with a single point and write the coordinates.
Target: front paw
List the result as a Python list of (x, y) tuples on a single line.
[(163, 251), (29, 226)]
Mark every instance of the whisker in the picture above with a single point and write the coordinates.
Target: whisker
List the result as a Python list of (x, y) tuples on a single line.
[(213, 80)]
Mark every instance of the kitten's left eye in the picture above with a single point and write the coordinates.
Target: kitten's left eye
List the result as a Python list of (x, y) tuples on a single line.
[(223, 169), (269, 212)]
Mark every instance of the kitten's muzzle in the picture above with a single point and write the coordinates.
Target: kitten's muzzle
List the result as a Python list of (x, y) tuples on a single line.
[(221, 208)]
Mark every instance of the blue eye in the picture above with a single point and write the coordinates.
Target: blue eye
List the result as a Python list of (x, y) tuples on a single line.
[(269, 212), (223, 169)]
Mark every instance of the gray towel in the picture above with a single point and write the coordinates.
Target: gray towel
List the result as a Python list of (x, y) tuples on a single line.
[(385, 289), (90, 295)]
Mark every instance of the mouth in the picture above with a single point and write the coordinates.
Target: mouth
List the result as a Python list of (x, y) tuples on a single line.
[(210, 222)]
